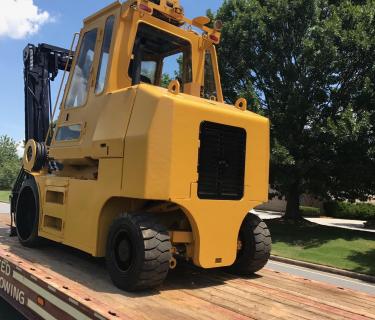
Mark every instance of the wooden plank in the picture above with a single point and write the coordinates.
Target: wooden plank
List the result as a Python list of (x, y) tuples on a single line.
[(330, 298), (284, 308), (293, 283), (346, 298)]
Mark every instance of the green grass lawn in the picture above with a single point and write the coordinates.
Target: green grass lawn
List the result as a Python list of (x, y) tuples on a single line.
[(341, 248), (4, 196)]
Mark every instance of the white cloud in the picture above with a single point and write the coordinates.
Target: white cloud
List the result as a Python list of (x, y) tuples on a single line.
[(20, 18)]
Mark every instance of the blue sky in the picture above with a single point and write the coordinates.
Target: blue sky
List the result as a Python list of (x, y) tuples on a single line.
[(57, 21)]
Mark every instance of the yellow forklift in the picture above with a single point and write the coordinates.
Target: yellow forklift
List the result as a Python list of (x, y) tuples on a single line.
[(146, 163)]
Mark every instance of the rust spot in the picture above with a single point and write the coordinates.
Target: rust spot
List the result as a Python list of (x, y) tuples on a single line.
[(41, 301)]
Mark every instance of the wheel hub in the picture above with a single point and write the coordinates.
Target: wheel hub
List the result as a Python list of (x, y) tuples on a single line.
[(123, 251)]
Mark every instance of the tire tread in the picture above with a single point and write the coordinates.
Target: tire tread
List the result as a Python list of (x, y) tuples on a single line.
[(157, 251), (257, 256)]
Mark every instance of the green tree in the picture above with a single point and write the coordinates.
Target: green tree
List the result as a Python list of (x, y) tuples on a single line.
[(309, 66), (165, 80), (9, 162)]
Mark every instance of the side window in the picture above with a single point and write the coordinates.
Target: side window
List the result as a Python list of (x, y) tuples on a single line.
[(177, 66), (80, 81), (104, 55), (68, 133), (148, 71)]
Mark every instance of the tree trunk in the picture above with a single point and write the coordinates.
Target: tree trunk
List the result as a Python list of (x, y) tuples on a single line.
[(292, 205)]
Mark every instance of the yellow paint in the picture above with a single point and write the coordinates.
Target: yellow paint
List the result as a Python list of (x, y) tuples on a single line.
[(140, 143), (181, 236)]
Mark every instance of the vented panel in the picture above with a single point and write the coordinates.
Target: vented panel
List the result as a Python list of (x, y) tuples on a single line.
[(221, 163)]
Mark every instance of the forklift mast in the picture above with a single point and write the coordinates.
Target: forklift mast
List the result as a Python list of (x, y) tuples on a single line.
[(41, 66)]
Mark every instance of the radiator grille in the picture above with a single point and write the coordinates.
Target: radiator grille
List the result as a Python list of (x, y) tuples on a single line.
[(221, 163)]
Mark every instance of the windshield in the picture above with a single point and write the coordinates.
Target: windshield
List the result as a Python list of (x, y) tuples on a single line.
[(159, 57)]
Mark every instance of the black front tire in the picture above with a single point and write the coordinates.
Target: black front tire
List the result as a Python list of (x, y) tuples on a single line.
[(255, 246), (27, 214), (138, 252)]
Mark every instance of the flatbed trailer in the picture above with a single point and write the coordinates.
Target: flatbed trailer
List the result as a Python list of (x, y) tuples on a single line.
[(57, 282)]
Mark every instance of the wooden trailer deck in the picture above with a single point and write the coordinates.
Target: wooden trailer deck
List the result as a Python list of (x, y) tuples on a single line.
[(56, 282)]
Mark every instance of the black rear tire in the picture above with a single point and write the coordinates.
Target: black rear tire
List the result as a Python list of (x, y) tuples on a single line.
[(27, 214), (255, 246), (138, 252)]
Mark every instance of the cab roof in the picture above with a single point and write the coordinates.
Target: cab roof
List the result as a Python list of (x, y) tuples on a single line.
[(167, 10)]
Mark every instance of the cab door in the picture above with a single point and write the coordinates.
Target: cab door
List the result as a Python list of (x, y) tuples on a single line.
[(72, 122)]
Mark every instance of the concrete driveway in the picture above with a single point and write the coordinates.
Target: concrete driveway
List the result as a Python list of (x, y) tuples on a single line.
[(331, 222), (4, 208)]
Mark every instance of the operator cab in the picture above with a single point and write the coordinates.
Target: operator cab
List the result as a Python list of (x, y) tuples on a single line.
[(121, 47), (164, 47)]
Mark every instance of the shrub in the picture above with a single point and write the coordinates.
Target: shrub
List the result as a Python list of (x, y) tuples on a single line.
[(309, 211), (9, 162), (346, 210)]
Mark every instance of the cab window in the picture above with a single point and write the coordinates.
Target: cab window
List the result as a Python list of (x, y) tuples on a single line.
[(159, 57), (79, 85), (68, 133), (148, 71), (104, 55)]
